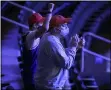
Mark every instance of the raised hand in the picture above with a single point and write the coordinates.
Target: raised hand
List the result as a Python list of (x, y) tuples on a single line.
[(74, 41), (51, 7), (81, 42)]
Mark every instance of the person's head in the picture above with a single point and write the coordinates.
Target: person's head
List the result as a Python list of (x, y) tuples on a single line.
[(35, 20), (59, 25)]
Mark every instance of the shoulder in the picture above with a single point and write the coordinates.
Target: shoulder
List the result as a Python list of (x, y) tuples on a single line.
[(31, 34), (53, 41)]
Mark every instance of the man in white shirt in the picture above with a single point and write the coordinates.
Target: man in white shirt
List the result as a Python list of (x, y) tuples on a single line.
[(38, 25), (54, 60)]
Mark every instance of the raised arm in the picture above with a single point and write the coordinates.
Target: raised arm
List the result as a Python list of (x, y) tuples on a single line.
[(44, 28), (48, 16)]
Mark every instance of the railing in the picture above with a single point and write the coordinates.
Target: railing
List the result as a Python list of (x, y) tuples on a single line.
[(22, 7), (93, 53), (15, 22)]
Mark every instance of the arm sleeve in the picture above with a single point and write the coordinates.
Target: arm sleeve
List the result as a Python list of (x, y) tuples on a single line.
[(30, 43), (47, 21), (64, 58)]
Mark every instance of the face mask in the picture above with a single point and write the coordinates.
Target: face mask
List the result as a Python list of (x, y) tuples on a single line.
[(64, 30)]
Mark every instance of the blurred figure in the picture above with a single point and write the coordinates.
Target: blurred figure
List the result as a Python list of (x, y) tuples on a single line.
[(54, 60), (38, 25)]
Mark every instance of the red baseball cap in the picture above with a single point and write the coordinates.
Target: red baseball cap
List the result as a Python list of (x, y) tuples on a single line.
[(58, 19), (35, 18)]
